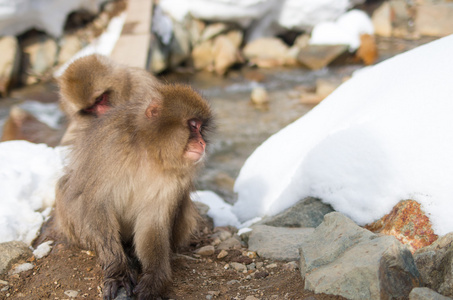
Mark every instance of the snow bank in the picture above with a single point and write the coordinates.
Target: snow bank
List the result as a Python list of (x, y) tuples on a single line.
[(219, 210), (28, 175), (344, 31), (383, 136), (17, 16)]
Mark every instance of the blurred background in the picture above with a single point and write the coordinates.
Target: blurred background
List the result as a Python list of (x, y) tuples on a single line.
[(261, 63)]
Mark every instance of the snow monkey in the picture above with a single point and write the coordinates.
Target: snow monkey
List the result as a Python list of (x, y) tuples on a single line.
[(92, 84), (125, 191)]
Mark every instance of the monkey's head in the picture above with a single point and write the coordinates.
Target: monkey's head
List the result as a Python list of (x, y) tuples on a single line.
[(91, 85), (176, 124)]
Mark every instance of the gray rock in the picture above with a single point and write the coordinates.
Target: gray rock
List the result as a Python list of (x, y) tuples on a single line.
[(9, 62), (10, 252), (435, 263), (425, 294), (308, 212), (180, 45), (40, 55), (277, 243), (341, 258), (231, 243)]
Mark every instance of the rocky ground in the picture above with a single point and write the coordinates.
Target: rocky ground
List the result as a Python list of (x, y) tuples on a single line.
[(230, 273)]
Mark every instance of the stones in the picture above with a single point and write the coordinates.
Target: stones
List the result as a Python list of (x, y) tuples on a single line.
[(423, 293), (259, 96), (277, 243), (435, 263), (308, 212), (267, 52), (340, 258), (12, 252), (316, 57), (205, 251), (434, 19), (9, 63), (40, 53), (408, 223), (382, 20), (367, 51)]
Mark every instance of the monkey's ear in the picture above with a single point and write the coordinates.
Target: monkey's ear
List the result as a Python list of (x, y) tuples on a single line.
[(152, 110)]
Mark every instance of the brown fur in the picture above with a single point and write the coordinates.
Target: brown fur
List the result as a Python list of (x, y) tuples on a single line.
[(128, 185), (88, 78)]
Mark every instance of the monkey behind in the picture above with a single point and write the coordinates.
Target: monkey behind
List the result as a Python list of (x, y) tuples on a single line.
[(128, 183)]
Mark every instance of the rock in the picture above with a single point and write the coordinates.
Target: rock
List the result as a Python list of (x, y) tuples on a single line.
[(213, 30), (222, 254), (221, 234), (382, 20), (434, 19), (236, 37), (69, 44), (408, 223), (277, 243), (225, 54), (251, 298), (401, 16), (316, 57), (201, 208), (267, 52), (39, 56), (231, 243), (10, 252), (9, 63), (291, 266), (340, 258), (21, 268), (367, 51), (325, 87), (238, 267), (196, 28), (423, 293), (259, 96), (206, 250), (203, 56), (71, 293), (308, 212), (22, 125), (159, 58), (310, 98), (180, 45), (435, 263)]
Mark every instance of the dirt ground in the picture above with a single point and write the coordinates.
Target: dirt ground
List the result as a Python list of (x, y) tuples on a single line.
[(70, 269)]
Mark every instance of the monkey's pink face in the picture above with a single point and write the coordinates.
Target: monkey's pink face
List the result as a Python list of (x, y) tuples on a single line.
[(196, 145)]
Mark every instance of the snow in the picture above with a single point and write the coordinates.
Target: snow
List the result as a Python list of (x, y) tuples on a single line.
[(27, 187), (17, 16), (346, 30), (219, 210), (270, 16), (383, 136)]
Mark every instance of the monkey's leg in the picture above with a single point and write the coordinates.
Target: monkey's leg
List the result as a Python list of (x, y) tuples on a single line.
[(185, 223), (152, 247), (105, 235)]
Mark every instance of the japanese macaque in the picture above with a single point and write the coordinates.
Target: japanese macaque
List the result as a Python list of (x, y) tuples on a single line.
[(125, 192), (93, 84)]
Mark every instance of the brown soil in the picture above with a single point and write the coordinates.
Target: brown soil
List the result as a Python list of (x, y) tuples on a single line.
[(68, 268)]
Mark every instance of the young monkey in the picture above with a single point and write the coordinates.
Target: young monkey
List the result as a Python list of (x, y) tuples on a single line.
[(93, 84), (128, 182)]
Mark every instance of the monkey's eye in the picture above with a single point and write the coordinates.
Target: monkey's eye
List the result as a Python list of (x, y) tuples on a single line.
[(194, 125)]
